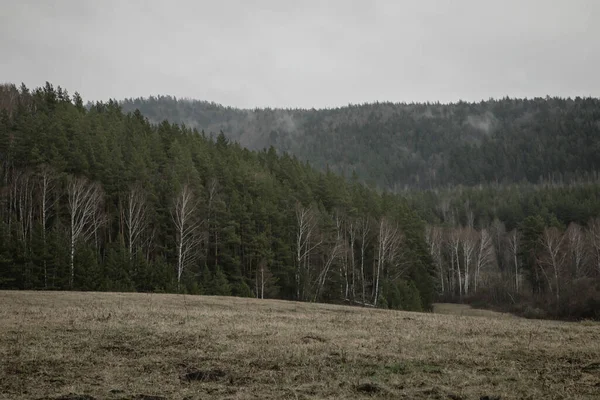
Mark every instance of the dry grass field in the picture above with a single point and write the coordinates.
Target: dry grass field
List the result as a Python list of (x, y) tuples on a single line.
[(139, 346)]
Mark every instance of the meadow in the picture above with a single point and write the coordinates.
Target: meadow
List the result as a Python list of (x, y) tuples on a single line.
[(117, 346)]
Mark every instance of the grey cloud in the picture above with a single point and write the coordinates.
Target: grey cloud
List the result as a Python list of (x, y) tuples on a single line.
[(304, 54)]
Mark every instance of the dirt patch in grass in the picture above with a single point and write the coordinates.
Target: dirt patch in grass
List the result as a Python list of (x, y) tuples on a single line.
[(115, 346), (370, 388)]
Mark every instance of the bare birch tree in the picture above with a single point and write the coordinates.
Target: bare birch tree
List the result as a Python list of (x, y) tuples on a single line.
[(576, 242), (22, 185), (305, 231), (468, 239), (352, 230), (20, 197), (364, 226), (514, 243), (263, 278), (454, 241), (434, 238), (136, 220), (485, 255), (187, 228), (387, 242), (552, 259), (25, 205), (344, 253), (84, 200), (332, 255), (47, 185), (99, 219), (396, 261)]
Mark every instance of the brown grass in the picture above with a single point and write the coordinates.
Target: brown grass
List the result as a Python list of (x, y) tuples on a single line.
[(126, 346), (467, 310)]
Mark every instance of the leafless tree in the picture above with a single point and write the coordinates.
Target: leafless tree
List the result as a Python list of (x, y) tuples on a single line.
[(514, 242), (388, 239), (396, 261), (468, 239), (352, 230), (21, 209), (364, 226), (552, 259), (434, 238), (187, 227), (84, 200), (344, 252), (264, 277), (99, 219), (22, 185), (47, 185), (333, 253), (305, 234), (454, 240), (576, 242), (136, 219), (485, 255)]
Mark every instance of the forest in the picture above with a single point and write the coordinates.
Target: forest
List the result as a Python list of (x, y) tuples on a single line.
[(494, 181), (420, 145), (93, 198), (496, 203)]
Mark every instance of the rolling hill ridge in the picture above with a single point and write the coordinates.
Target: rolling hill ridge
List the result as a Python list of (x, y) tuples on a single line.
[(430, 145)]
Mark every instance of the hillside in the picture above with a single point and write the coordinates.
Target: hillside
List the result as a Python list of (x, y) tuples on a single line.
[(92, 198), (416, 145), (97, 199), (118, 346), (509, 184)]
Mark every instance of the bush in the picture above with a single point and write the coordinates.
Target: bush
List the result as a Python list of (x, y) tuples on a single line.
[(533, 312), (581, 300), (403, 296)]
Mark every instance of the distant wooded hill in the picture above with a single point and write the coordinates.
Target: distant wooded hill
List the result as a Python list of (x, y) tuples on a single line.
[(395, 146)]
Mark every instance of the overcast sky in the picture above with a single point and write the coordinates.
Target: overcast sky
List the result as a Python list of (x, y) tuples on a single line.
[(304, 53)]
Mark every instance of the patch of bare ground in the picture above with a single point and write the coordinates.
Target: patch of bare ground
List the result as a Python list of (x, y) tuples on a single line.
[(93, 346)]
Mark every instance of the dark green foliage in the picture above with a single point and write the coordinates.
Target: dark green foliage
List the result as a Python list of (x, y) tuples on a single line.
[(417, 145), (244, 209), (220, 286), (403, 296), (557, 204)]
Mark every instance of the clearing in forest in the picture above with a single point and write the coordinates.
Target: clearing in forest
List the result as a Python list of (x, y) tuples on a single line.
[(57, 345)]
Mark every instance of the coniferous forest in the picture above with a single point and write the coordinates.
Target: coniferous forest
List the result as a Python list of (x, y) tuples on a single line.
[(419, 145), (495, 203), (508, 188), (92, 198)]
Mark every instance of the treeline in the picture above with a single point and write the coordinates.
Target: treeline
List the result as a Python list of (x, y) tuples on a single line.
[(430, 145), (558, 202), (529, 249), (538, 268), (92, 198)]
